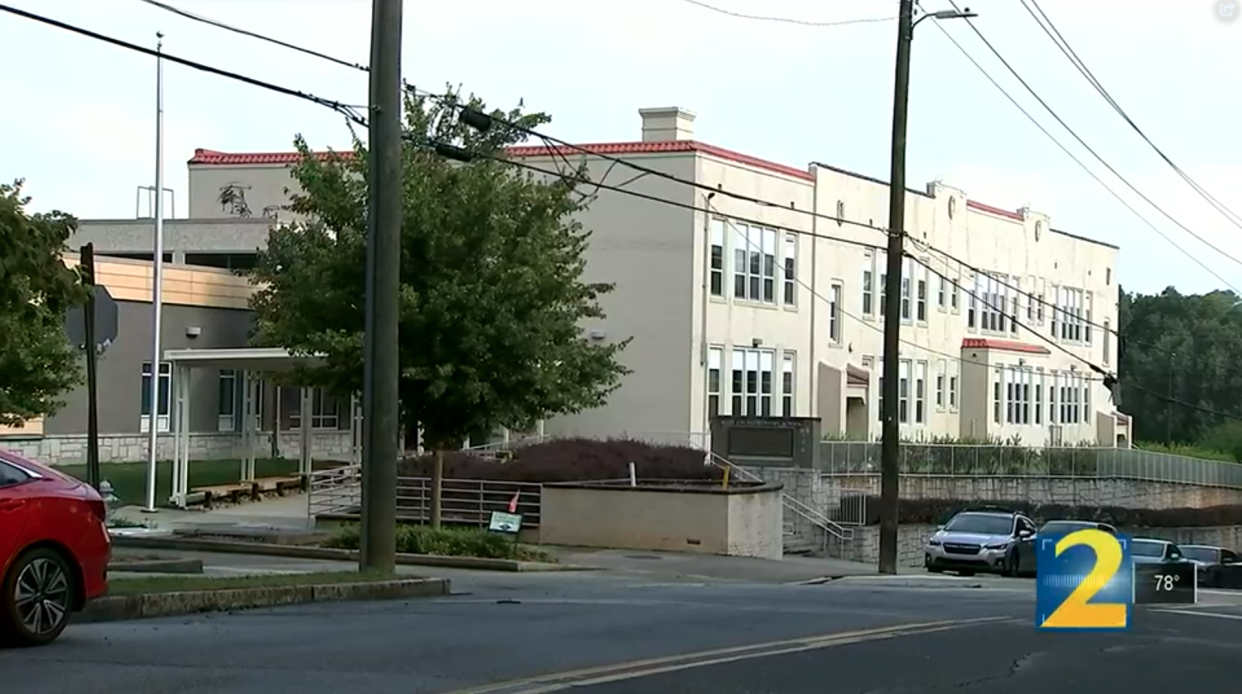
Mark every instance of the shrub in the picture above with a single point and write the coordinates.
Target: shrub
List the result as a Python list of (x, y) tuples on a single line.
[(446, 542), (572, 460), (938, 511)]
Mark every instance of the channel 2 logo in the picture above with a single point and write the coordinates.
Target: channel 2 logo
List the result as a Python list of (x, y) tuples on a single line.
[(1085, 582)]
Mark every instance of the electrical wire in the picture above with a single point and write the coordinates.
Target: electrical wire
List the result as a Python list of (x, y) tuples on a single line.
[(358, 120), (338, 106), (1041, 18), (556, 147), (787, 20), (1074, 134)]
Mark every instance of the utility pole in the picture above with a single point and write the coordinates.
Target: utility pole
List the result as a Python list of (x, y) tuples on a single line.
[(383, 273), (890, 443), (157, 284), (1168, 405)]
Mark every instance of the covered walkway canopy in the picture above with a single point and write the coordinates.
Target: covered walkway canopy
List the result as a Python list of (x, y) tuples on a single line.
[(250, 363)]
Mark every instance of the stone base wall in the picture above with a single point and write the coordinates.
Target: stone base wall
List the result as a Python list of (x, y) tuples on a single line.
[(123, 448), (865, 546), (1072, 491), (834, 497)]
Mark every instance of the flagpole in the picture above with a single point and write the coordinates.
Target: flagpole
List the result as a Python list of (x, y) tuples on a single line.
[(157, 276)]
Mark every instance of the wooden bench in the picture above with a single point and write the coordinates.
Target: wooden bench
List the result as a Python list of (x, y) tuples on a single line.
[(227, 492), (280, 485)]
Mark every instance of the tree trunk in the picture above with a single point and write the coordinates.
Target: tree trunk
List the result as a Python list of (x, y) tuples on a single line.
[(437, 489)]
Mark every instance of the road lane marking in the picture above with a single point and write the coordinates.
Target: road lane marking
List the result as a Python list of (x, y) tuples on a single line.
[(544, 684)]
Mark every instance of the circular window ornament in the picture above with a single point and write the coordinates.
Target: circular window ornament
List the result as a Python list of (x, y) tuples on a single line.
[(1039, 230), (952, 207)]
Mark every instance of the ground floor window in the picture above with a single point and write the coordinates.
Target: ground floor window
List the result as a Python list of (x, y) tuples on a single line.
[(164, 397)]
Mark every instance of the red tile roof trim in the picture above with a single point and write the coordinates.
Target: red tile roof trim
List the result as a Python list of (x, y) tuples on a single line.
[(1003, 346), (207, 157)]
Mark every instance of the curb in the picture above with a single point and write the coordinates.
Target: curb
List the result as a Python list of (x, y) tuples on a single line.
[(292, 552), (158, 566), (127, 607)]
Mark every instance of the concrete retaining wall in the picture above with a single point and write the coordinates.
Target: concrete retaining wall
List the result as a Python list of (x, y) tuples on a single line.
[(743, 520)]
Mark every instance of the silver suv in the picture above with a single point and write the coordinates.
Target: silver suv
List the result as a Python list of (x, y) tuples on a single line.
[(988, 541)]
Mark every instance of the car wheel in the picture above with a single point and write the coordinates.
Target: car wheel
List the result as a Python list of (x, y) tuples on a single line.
[(1010, 568), (36, 599)]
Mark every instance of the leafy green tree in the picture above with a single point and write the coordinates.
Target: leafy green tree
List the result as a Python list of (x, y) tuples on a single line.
[(493, 298), (1181, 347), (37, 363)]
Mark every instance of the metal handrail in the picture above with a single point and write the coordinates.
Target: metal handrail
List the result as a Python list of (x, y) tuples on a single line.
[(799, 508)]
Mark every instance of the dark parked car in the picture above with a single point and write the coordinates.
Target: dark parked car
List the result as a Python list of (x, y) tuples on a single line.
[(1209, 559), (1064, 527)]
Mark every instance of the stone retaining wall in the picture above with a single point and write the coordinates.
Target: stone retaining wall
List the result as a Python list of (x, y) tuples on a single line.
[(114, 448)]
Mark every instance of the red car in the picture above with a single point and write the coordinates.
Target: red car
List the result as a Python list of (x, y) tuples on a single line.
[(54, 550)]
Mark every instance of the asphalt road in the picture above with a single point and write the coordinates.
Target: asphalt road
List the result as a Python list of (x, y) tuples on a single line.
[(523, 629)]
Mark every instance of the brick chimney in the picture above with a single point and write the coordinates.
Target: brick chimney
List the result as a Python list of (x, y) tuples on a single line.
[(668, 123)]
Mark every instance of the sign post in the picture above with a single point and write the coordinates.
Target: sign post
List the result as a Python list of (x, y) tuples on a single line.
[(92, 328)]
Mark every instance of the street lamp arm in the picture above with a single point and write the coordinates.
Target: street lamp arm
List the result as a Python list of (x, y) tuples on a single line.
[(944, 14)]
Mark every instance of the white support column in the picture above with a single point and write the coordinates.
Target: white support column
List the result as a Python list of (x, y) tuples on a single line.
[(308, 423), (187, 398), (355, 430), (175, 426), (247, 437)]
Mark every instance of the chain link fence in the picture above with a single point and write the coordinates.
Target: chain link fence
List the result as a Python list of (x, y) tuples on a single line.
[(965, 460)]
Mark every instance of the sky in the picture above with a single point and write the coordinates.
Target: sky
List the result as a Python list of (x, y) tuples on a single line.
[(79, 122)]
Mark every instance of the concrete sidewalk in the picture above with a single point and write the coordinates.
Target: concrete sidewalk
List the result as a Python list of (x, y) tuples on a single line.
[(706, 567)]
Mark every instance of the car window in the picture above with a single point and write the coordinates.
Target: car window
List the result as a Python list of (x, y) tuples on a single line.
[(1203, 554), (1106, 528), (981, 524), (1063, 526), (1172, 551), (1147, 548), (1025, 524), (1228, 557), (11, 476)]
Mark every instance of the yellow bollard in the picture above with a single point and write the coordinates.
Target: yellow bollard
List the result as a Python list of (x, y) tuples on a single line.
[(724, 480)]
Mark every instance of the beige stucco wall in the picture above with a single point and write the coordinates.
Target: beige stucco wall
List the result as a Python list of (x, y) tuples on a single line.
[(657, 254), (739, 521)]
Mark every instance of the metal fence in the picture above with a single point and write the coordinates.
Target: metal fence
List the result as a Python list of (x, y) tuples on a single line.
[(463, 502), (965, 460)]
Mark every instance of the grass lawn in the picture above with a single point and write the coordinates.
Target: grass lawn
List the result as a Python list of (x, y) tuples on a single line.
[(176, 584), (129, 480)]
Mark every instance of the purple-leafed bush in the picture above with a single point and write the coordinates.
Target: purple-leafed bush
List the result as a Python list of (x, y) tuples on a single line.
[(572, 460)]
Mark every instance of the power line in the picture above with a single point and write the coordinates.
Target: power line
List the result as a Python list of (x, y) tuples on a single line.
[(553, 144), (786, 20), (353, 117), (1041, 18), (338, 106), (1084, 144)]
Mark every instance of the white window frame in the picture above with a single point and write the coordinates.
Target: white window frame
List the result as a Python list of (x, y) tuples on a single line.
[(747, 260), (768, 241), (789, 383), (881, 287), (1086, 320), (163, 417), (920, 392), (998, 394), (836, 293), (942, 293), (789, 271), (942, 377), (955, 288), (1054, 410), (321, 417), (716, 258), (972, 304), (903, 391), (1039, 397), (954, 384), (226, 406), (907, 290), (715, 366), (755, 397), (920, 292), (868, 285)]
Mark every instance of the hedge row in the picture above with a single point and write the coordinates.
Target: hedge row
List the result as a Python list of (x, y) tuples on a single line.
[(572, 460), (445, 542), (938, 511)]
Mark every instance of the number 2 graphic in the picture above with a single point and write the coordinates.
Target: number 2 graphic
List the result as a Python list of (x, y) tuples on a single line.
[(1076, 612)]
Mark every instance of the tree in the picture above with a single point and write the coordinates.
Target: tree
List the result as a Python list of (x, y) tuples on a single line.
[(1180, 347), (493, 299), (37, 364)]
